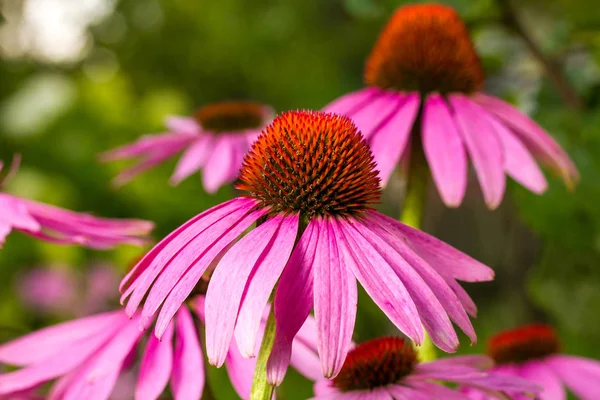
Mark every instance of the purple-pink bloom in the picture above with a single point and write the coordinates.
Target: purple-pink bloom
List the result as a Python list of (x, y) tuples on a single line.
[(309, 183), (423, 81), (215, 140), (87, 356), (388, 369), (532, 352), (57, 225)]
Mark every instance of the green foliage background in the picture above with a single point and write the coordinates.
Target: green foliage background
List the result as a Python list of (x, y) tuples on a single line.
[(147, 59)]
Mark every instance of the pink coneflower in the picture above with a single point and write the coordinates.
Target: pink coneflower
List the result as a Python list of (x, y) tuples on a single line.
[(423, 81), (309, 183), (215, 140), (58, 225), (532, 352), (88, 355), (388, 368)]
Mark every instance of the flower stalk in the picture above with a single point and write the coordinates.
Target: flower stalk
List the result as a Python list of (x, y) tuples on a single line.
[(261, 389)]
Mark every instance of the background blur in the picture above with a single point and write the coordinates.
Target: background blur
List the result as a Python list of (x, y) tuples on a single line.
[(80, 77)]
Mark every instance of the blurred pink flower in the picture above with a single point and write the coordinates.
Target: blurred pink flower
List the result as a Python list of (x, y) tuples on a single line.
[(309, 182), (424, 79), (48, 290), (532, 352), (88, 356), (58, 225), (215, 140), (388, 368)]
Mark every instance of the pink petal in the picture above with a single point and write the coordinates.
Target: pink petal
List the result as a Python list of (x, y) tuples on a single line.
[(183, 125), (369, 118), (260, 284), (240, 371), (537, 372), (149, 145), (193, 159), (518, 162), (227, 285), (536, 139), (293, 302), (141, 277), (194, 253), (40, 345), (379, 279), (14, 213), (580, 375), (407, 393), (441, 256), (391, 139), (305, 360), (483, 146), (431, 278), (444, 151), (217, 169), (187, 378), (188, 282), (473, 361), (155, 368), (351, 102), (434, 390), (335, 300)]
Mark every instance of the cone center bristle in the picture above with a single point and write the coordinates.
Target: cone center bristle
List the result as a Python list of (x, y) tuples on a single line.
[(231, 116), (522, 344), (311, 163), (425, 48), (376, 363)]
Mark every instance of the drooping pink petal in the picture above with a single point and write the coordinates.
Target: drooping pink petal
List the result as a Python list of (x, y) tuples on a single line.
[(537, 372), (260, 284), (380, 280), (14, 213), (155, 368), (483, 146), (293, 302), (434, 390), (444, 150), (369, 118), (580, 375), (216, 172), (391, 139), (351, 102), (335, 297), (441, 256), (141, 277), (406, 393), (431, 278), (193, 158), (227, 286), (193, 253), (149, 145), (240, 371), (187, 378), (462, 295), (183, 125), (305, 360), (188, 282), (537, 140), (518, 162), (40, 345)]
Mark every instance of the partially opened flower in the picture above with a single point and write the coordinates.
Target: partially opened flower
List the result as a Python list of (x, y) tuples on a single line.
[(388, 369), (88, 355), (58, 225), (215, 140), (423, 81), (309, 183), (533, 352)]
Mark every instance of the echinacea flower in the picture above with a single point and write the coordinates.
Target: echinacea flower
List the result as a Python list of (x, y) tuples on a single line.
[(88, 355), (58, 225), (215, 140), (423, 81), (309, 183), (532, 352), (388, 369)]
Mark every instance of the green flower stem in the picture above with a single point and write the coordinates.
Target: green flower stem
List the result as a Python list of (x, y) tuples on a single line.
[(412, 212), (261, 389)]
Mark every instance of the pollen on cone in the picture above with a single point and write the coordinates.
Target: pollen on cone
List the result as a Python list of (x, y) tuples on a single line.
[(229, 116), (312, 163), (425, 47)]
